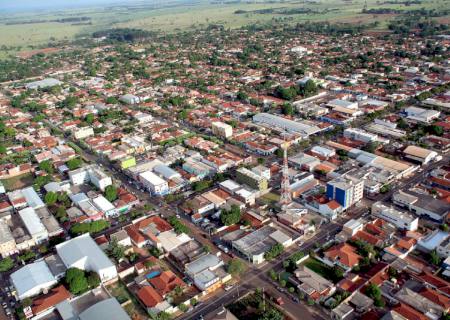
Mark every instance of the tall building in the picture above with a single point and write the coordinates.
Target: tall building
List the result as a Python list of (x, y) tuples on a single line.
[(286, 197), (222, 129), (253, 180), (345, 191)]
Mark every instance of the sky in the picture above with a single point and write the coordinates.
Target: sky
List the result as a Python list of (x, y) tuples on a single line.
[(33, 5)]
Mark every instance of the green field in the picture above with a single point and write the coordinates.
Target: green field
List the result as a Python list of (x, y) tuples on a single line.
[(174, 18)]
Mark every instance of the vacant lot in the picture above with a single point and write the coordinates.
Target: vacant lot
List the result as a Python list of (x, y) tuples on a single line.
[(18, 182)]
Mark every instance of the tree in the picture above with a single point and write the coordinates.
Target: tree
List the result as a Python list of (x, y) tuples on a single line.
[(271, 314), (177, 225), (434, 130), (236, 267), (76, 280), (434, 258), (93, 280), (274, 251), (3, 149), (193, 301), (288, 109), (111, 193), (47, 166), (338, 273), (232, 216), (6, 264), (242, 96), (89, 118), (50, 198), (116, 250), (374, 292), (74, 163)]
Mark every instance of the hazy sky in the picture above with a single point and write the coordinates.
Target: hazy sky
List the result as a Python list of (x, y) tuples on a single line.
[(31, 5)]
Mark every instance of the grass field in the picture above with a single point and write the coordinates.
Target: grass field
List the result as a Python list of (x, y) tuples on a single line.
[(18, 182), (319, 268), (174, 18)]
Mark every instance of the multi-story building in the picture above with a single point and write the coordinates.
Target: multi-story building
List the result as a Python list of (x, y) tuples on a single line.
[(7, 242), (401, 220), (222, 129), (81, 133), (91, 174), (360, 135), (34, 225), (153, 183), (345, 190), (253, 180)]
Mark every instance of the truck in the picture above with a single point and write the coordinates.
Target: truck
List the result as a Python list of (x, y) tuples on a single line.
[(279, 301)]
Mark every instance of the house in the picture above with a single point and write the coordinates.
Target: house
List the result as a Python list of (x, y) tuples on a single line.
[(46, 303), (207, 272), (151, 300), (83, 253), (313, 285), (166, 282), (343, 255)]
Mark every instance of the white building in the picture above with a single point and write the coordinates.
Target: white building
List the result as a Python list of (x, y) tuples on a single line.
[(360, 135), (32, 279), (154, 184), (82, 133), (91, 174), (83, 253), (345, 190), (421, 115), (143, 117), (207, 271), (418, 154), (106, 207), (34, 226), (130, 99), (401, 220), (222, 129), (338, 103)]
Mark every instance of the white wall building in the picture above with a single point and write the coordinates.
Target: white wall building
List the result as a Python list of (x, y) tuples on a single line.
[(222, 129), (34, 226), (32, 279), (81, 133), (360, 135), (401, 220), (106, 207), (83, 253), (421, 115), (91, 174), (154, 184)]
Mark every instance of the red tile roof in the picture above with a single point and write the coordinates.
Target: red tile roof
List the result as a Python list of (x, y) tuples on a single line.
[(436, 297), (166, 282), (344, 253), (409, 313), (149, 296), (55, 296)]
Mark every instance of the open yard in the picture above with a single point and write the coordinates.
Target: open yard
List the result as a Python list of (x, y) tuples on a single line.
[(121, 293), (168, 17), (18, 182), (319, 268)]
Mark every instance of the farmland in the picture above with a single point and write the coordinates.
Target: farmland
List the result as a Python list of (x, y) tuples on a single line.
[(27, 31)]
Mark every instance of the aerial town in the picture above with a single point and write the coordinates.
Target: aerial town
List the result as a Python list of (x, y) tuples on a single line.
[(255, 173)]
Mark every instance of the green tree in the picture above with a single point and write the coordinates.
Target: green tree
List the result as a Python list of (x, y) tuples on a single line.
[(46, 166), (74, 163), (111, 193), (93, 280), (434, 258), (271, 314), (6, 264), (274, 251), (232, 216), (288, 109), (76, 281), (89, 118), (116, 250), (50, 198), (236, 267)]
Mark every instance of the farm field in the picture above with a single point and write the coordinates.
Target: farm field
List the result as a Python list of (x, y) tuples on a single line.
[(41, 29)]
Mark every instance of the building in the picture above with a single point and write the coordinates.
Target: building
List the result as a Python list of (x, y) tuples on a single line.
[(338, 103), (106, 207), (32, 279), (401, 220), (153, 302), (153, 183), (42, 84), (343, 255), (207, 272), (262, 171), (129, 99), (420, 155), (106, 309), (91, 174), (422, 204), (253, 180), (82, 133), (127, 162), (34, 226), (7, 241), (421, 115), (45, 304), (273, 122), (222, 129), (83, 253), (313, 285), (345, 191), (360, 135), (254, 245)]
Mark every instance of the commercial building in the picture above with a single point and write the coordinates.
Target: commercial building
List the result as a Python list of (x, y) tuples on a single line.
[(129, 99), (83, 253), (32, 198), (32, 279), (253, 180), (91, 174), (421, 115), (418, 154), (34, 226), (7, 241), (422, 204), (42, 84), (254, 245), (106, 207), (401, 220), (105, 309), (345, 191), (82, 133), (222, 129), (274, 122), (153, 183), (360, 135)]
